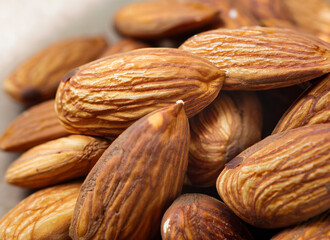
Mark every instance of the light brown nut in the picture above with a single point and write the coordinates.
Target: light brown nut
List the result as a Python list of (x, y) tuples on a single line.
[(34, 126), (156, 19), (258, 58), (38, 77), (106, 96), (124, 45), (282, 180), (317, 228), (45, 214), (56, 161), (222, 130), (199, 216), (127, 192), (313, 107)]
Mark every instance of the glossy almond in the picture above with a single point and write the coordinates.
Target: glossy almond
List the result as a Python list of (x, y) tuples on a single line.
[(34, 126), (56, 161), (138, 176), (258, 58), (282, 180), (155, 19), (221, 131), (108, 95), (313, 107), (199, 216), (45, 214), (124, 45), (38, 77)]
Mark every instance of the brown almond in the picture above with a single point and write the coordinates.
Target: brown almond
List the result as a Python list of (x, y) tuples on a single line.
[(45, 214), (157, 19), (124, 45), (38, 77), (281, 180), (313, 107), (258, 58), (56, 161), (127, 192), (106, 96), (34, 126)]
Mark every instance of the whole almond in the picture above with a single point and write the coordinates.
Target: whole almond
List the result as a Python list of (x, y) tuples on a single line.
[(138, 176), (45, 214), (313, 107), (34, 126), (282, 180), (258, 58), (56, 161), (106, 96), (199, 216), (124, 45), (156, 19), (38, 77), (221, 131)]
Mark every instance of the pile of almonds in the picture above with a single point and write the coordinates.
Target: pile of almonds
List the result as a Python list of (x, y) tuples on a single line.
[(210, 119)]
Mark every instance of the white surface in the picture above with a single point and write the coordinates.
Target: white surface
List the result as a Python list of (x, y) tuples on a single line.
[(28, 26)]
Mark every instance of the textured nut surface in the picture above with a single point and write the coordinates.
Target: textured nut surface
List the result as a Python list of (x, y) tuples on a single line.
[(124, 45), (312, 108), (45, 214), (138, 176), (38, 77), (222, 130), (56, 161), (34, 126), (106, 96), (199, 216), (281, 180), (257, 58), (155, 19)]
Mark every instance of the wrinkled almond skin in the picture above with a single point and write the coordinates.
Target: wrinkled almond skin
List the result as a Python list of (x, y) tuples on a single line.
[(34, 126), (159, 19), (44, 215), (259, 58), (56, 161), (221, 131), (281, 180), (199, 216), (106, 96), (317, 228), (124, 45), (38, 77), (127, 192), (313, 107)]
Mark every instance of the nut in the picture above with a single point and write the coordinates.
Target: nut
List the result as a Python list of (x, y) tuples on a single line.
[(124, 45), (281, 180), (106, 96)]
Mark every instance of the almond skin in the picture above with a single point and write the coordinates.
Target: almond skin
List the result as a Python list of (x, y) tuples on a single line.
[(259, 58), (38, 77), (106, 96), (56, 161), (280, 181), (44, 215), (199, 216), (34, 126), (159, 19), (124, 45), (313, 107), (127, 192)]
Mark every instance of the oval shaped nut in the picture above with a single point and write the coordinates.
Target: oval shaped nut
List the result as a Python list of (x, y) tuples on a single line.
[(230, 124), (124, 45), (46, 214), (37, 78), (34, 126), (313, 107), (258, 58), (159, 19), (127, 192), (281, 180), (106, 96), (56, 161), (199, 216), (317, 228)]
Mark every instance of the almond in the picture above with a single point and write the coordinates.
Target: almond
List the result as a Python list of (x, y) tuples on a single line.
[(124, 45)]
